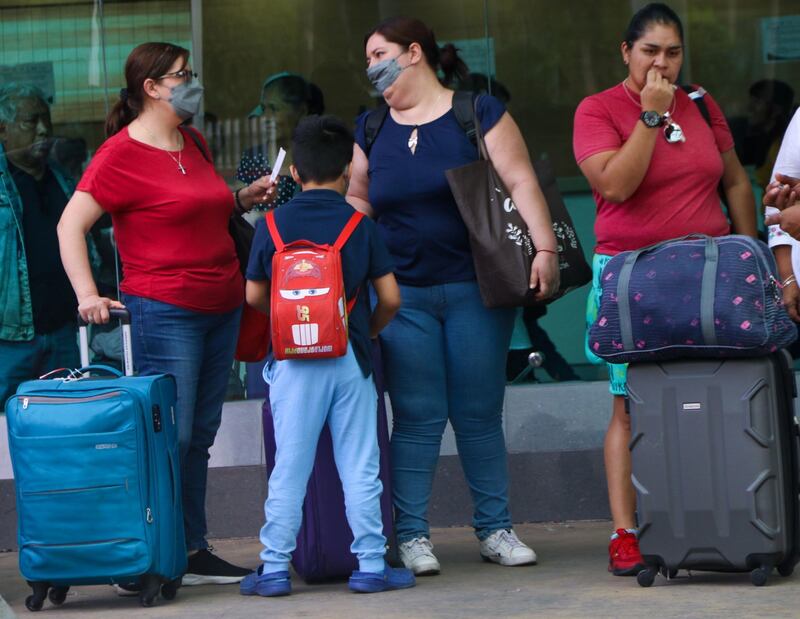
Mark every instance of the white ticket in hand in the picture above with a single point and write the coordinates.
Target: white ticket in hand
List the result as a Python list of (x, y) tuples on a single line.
[(276, 169)]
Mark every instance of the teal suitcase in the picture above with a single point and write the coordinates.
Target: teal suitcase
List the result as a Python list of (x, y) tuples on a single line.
[(97, 475)]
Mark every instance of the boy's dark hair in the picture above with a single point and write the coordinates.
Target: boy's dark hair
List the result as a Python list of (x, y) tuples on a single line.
[(647, 16), (321, 148)]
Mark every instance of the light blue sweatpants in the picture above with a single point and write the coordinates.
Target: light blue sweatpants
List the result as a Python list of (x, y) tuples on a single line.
[(304, 395)]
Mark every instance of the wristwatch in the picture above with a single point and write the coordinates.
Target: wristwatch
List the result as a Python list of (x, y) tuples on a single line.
[(652, 119)]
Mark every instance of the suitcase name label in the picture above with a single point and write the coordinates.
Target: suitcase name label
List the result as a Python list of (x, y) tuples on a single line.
[(692, 406)]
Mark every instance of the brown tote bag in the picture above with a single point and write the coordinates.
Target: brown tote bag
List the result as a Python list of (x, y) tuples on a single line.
[(502, 248)]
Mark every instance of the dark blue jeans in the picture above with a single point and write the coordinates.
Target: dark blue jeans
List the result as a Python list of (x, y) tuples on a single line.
[(21, 361), (197, 349), (445, 359)]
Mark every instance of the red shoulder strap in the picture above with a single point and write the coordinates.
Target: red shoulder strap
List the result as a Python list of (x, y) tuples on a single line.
[(352, 302), (351, 225), (273, 231)]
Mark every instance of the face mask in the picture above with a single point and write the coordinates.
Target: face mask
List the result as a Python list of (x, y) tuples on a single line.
[(186, 98), (384, 74)]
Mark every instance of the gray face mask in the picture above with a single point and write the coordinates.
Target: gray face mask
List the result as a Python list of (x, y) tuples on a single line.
[(186, 98), (384, 74)]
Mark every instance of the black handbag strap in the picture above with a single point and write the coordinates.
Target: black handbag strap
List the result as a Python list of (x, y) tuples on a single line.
[(196, 139), (697, 95)]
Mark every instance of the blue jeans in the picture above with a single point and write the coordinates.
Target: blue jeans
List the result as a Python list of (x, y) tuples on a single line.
[(21, 361), (197, 349), (445, 358), (304, 396)]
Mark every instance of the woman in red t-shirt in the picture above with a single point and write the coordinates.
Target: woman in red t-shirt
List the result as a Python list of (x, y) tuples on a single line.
[(181, 282), (654, 164)]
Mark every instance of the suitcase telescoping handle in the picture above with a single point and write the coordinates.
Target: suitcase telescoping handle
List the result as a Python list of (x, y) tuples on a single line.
[(124, 317)]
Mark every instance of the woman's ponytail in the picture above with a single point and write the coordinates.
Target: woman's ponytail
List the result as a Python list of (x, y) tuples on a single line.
[(120, 115)]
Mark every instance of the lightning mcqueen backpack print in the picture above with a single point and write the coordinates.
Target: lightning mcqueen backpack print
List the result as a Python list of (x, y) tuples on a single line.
[(691, 297), (308, 309)]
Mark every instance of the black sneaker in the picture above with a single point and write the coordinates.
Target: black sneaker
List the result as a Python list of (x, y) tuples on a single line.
[(206, 568)]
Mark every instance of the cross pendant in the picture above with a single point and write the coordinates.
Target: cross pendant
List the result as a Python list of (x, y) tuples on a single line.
[(181, 168)]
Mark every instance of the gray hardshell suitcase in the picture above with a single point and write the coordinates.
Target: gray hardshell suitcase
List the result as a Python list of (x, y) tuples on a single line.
[(714, 450)]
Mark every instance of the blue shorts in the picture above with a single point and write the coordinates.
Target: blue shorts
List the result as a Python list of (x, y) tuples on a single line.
[(617, 372)]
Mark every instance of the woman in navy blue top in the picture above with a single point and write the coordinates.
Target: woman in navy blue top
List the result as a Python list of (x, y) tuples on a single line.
[(444, 352)]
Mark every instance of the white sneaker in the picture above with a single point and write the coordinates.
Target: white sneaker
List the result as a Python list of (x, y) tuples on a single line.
[(417, 555), (503, 547), (131, 590)]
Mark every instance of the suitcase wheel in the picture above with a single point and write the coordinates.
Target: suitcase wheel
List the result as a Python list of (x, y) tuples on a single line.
[(170, 589), (57, 595), (759, 576), (151, 585), (646, 577), (35, 602), (786, 570)]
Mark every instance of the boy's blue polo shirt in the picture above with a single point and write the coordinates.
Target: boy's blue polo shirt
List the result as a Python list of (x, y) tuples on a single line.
[(319, 215)]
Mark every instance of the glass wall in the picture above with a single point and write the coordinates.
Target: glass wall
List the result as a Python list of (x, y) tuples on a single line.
[(543, 57)]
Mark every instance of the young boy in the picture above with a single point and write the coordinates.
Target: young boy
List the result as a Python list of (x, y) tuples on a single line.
[(307, 393)]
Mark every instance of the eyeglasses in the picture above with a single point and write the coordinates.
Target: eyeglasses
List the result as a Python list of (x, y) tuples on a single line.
[(183, 74)]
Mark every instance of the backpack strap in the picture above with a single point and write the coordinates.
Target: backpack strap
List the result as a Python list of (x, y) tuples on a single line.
[(273, 231), (696, 94), (464, 109), (352, 302), (348, 229), (372, 125)]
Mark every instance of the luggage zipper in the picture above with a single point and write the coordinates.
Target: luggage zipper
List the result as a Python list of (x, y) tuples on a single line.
[(92, 543), (149, 515), (68, 490), (38, 399)]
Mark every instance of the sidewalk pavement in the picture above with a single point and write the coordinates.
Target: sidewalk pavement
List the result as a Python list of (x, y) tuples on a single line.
[(570, 581)]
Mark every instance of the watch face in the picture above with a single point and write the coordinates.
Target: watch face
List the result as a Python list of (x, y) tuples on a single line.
[(651, 119)]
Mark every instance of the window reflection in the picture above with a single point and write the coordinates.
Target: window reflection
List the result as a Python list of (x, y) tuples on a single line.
[(265, 65)]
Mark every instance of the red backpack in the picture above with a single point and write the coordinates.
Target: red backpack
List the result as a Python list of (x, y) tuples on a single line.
[(308, 309)]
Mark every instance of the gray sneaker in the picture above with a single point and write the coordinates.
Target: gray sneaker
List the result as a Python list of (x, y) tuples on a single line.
[(417, 555)]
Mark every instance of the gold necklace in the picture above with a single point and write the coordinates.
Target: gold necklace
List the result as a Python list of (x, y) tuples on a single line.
[(413, 139), (177, 160)]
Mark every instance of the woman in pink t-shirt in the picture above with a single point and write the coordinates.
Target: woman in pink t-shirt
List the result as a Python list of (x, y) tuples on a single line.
[(655, 165)]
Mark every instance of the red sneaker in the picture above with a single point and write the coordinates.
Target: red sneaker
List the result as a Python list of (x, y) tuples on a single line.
[(624, 558)]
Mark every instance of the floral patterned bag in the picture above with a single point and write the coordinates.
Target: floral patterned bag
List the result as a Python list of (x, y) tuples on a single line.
[(501, 245)]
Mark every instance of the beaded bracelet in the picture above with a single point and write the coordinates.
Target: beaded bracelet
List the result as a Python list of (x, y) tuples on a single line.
[(789, 280), (239, 208)]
